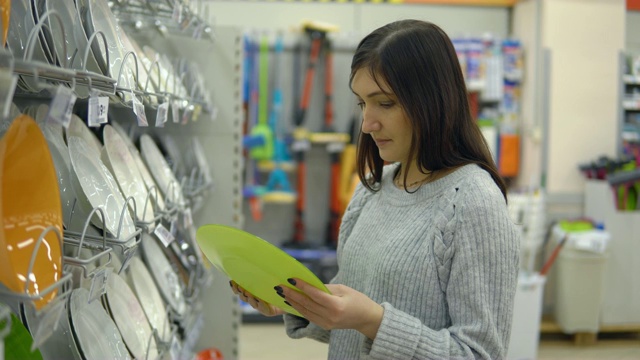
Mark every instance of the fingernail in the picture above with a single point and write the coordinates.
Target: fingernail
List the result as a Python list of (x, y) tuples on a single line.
[(281, 295), (291, 281), (257, 301), (286, 302), (277, 289), (230, 284)]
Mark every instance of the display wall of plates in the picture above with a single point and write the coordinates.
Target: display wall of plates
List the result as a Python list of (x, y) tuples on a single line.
[(91, 215)]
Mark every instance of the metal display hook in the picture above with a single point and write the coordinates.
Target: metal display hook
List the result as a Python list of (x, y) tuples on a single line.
[(88, 49), (36, 31), (125, 63)]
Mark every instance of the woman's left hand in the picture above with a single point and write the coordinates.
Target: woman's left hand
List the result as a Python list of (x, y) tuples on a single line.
[(344, 308)]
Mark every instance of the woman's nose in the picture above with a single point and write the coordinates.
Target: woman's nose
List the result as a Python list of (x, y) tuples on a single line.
[(369, 122)]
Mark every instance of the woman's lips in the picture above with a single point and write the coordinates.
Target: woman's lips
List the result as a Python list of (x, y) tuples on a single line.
[(382, 142)]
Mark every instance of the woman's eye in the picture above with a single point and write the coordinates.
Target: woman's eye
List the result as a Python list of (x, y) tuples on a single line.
[(386, 105), (361, 105)]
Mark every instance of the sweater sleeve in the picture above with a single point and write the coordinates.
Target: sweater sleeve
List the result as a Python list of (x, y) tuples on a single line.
[(298, 327), (477, 251)]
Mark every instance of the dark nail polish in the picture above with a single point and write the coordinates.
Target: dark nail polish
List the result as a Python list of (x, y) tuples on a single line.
[(257, 301), (230, 284), (281, 295), (286, 302), (277, 289), (291, 281)]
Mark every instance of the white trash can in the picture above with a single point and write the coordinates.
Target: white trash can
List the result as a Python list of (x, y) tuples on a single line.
[(580, 281), (527, 313)]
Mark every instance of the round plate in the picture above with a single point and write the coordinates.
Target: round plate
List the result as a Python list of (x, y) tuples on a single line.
[(29, 203), (253, 263), (78, 128), (99, 188), (161, 171), (118, 158), (128, 315), (142, 283), (163, 273), (96, 334), (140, 166)]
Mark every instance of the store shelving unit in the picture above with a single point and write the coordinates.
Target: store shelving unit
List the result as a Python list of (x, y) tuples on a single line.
[(214, 315)]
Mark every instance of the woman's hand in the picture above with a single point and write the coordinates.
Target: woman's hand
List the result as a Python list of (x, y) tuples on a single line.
[(344, 308), (264, 308)]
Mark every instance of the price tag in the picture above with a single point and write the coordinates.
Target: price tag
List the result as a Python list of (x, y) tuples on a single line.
[(177, 12), (175, 348), (164, 235), (8, 83), (186, 115), (175, 111), (162, 114), (99, 284), (98, 110), (48, 323), (61, 106), (187, 218), (127, 258), (138, 109)]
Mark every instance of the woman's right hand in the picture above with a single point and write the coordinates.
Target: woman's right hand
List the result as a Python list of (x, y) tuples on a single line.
[(263, 307)]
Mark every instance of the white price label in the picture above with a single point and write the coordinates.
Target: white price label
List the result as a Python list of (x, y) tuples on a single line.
[(187, 219), (138, 109), (99, 284), (175, 111), (164, 235), (8, 83), (98, 110), (127, 258), (175, 348), (48, 323), (177, 11), (186, 115), (162, 114), (61, 106)]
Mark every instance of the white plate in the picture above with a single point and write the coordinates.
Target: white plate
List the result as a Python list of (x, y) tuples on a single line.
[(118, 158), (165, 277), (98, 17), (78, 128), (99, 187), (129, 316), (175, 159), (166, 180), (21, 23), (75, 37), (140, 165), (14, 111), (145, 288), (96, 333)]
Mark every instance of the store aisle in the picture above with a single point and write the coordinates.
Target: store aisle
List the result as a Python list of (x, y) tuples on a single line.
[(269, 342)]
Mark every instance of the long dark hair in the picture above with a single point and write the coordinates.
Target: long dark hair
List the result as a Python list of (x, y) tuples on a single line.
[(418, 62)]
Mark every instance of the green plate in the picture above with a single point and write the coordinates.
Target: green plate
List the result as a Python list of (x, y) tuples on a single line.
[(253, 263)]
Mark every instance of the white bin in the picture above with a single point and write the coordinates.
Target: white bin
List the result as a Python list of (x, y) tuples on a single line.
[(527, 313), (580, 278)]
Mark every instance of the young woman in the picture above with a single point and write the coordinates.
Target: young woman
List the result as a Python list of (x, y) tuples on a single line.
[(428, 256)]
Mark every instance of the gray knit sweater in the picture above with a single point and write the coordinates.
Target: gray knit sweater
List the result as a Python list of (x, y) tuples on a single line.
[(443, 263)]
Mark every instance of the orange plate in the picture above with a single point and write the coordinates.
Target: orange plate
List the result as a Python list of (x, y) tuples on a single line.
[(5, 12), (29, 203)]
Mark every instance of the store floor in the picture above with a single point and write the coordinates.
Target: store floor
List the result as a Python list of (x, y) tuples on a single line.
[(269, 342)]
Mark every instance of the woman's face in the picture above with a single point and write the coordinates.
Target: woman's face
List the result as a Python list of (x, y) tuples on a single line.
[(382, 117)]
